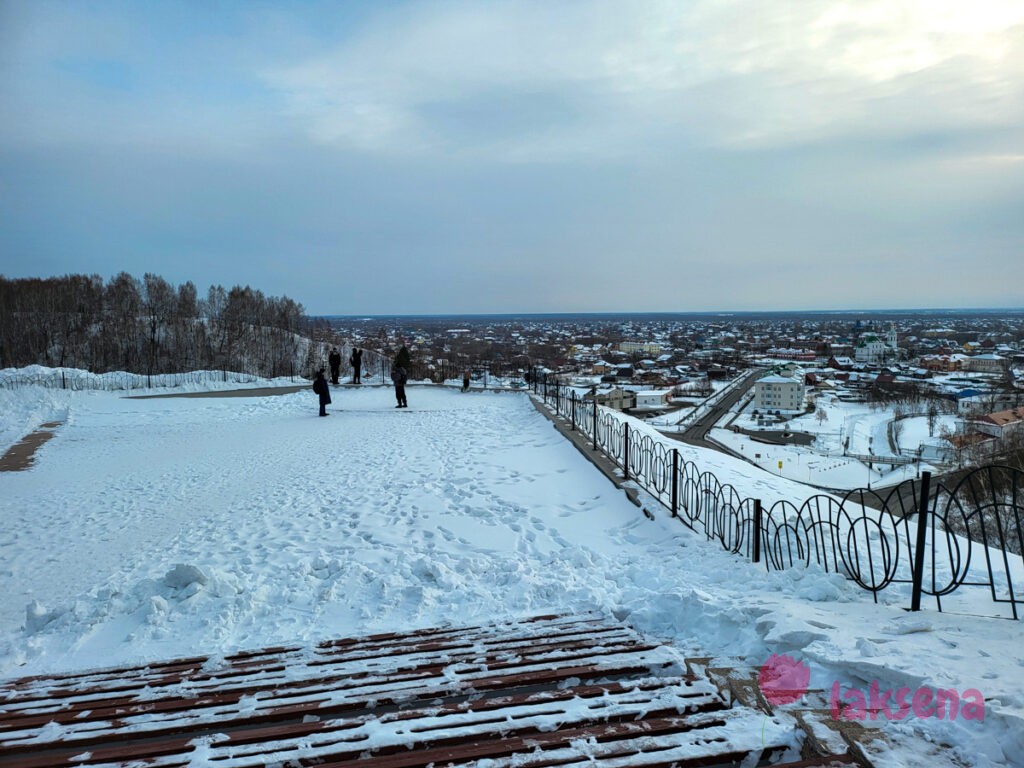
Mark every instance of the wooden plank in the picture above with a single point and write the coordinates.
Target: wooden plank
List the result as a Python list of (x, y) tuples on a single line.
[(489, 748), (549, 623), (532, 691), (423, 726), (250, 681), (157, 675), (381, 695), (89, 706)]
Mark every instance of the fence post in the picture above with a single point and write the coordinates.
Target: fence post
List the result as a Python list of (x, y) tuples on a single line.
[(572, 406), (595, 421), (756, 557), (625, 452), (675, 482), (922, 530)]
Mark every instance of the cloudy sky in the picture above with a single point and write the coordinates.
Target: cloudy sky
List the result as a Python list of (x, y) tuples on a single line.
[(439, 157)]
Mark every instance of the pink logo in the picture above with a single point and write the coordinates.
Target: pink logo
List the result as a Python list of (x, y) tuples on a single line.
[(896, 704), (783, 679)]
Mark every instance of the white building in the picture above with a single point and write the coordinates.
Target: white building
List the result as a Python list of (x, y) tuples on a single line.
[(646, 348), (779, 393), (653, 398), (1001, 424), (872, 350), (988, 363)]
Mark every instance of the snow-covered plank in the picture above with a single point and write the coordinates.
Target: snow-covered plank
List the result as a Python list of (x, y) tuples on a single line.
[(175, 715), (535, 633), (190, 693), (553, 692)]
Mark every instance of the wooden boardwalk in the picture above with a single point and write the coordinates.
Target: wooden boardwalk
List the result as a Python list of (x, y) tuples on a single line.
[(554, 690)]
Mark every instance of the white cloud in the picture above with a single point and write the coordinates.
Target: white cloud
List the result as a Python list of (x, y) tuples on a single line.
[(745, 73)]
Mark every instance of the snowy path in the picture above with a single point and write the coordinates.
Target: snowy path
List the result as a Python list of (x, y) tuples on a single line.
[(152, 529)]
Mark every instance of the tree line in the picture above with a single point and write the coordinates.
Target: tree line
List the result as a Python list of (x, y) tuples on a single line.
[(148, 326)]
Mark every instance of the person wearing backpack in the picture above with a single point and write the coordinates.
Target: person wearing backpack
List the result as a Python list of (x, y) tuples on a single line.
[(321, 388)]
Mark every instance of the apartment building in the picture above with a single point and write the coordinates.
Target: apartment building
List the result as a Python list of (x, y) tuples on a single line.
[(779, 393), (640, 347)]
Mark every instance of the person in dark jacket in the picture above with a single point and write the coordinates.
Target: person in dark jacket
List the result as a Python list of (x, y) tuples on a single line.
[(465, 381), (334, 359), (402, 358), (399, 376), (356, 361), (321, 388)]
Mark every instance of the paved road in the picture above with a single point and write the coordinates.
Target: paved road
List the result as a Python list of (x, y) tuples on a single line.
[(696, 433)]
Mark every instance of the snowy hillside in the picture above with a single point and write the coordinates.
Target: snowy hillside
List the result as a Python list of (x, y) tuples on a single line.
[(156, 528)]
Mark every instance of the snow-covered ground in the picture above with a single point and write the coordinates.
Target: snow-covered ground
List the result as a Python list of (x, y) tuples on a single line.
[(159, 528), (841, 428)]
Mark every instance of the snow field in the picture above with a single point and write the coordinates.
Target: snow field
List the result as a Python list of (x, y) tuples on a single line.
[(150, 529)]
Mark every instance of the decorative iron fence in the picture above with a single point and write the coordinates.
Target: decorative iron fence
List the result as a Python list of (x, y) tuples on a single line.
[(935, 538)]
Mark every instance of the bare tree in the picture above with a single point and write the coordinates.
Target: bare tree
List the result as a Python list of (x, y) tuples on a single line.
[(146, 326)]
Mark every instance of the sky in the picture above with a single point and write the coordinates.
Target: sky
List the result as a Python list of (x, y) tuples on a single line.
[(447, 157)]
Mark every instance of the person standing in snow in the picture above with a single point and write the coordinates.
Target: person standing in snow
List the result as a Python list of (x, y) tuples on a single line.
[(334, 359), (356, 361), (399, 376), (465, 381), (402, 359), (321, 388)]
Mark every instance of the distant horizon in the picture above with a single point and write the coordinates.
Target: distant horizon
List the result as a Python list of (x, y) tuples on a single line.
[(532, 313), (650, 313)]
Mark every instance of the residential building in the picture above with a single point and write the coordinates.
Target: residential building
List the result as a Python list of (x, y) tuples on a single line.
[(1000, 424), (616, 397), (653, 398), (987, 363), (841, 363), (779, 393), (642, 347), (944, 363)]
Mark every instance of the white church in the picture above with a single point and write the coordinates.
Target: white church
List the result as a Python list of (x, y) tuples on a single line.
[(872, 350)]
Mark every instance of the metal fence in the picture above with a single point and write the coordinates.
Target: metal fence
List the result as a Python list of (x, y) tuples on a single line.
[(937, 537)]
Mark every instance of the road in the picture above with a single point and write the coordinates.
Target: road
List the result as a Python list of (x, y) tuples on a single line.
[(696, 433)]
